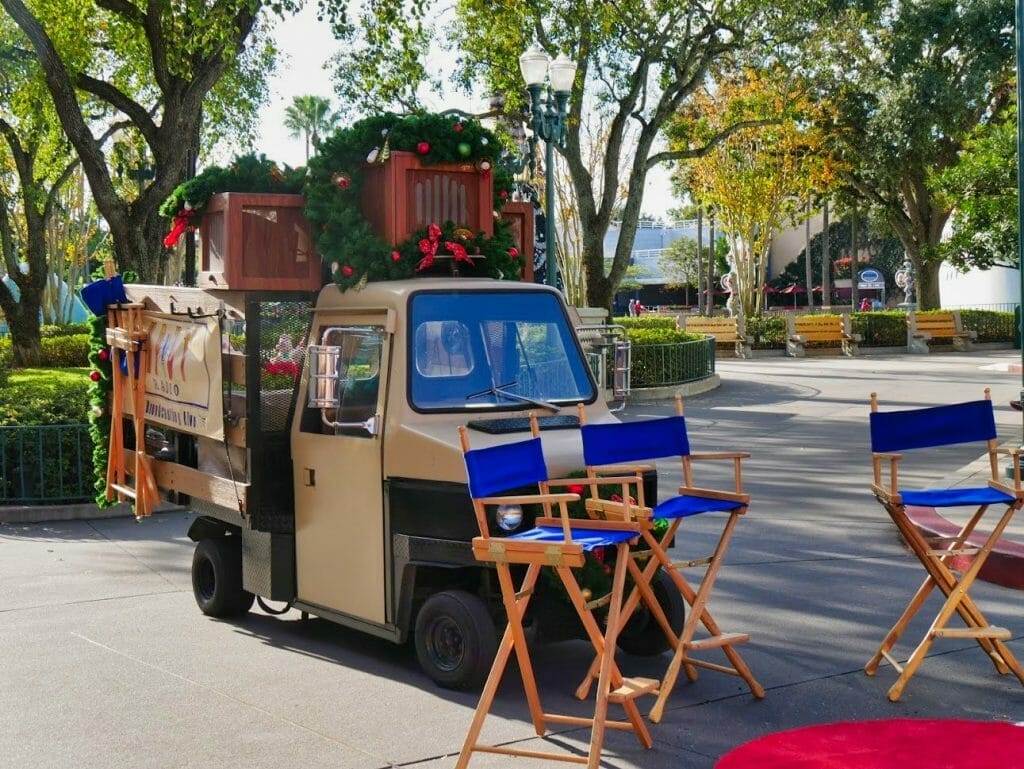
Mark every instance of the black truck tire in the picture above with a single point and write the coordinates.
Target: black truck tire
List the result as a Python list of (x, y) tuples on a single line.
[(643, 636), (217, 577), (455, 639)]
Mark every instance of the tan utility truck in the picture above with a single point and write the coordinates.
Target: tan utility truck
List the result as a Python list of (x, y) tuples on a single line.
[(325, 468)]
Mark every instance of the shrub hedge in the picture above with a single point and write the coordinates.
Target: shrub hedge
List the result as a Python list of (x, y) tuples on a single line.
[(57, 350), (647, 321), (880, 328), (6, 358), (45, 400), (768, 331), (991, 325)]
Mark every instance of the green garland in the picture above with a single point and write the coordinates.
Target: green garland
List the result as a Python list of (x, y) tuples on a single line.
[(248, 173), (334, 186)]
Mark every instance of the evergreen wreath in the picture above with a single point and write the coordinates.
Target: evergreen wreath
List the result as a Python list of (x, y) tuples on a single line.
[(345, 239)]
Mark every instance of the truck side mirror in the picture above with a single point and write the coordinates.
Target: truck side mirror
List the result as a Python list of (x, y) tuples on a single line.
[(324, 376)]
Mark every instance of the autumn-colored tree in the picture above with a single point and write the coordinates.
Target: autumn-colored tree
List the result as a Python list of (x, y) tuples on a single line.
[(756, 180)]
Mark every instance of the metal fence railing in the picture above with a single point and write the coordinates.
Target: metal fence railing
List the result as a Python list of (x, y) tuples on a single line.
[(659, 365), (45, 464)]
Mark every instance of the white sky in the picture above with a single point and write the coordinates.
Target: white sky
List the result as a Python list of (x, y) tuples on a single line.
[(307, 46)]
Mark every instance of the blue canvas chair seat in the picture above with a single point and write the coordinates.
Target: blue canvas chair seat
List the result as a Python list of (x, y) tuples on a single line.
[(957, 497), (896, 432), (558, 542), (588, 539), (684, 506), (621, 448)]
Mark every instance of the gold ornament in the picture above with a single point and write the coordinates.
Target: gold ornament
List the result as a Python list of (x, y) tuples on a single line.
[(587, 594)]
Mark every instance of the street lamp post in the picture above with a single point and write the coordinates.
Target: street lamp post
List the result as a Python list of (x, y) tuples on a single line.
[(547, 119)]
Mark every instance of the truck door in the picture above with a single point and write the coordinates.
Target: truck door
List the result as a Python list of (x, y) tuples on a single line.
[(337, 456)]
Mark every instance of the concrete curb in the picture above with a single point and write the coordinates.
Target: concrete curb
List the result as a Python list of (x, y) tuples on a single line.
[(82, 512), (687, 389)]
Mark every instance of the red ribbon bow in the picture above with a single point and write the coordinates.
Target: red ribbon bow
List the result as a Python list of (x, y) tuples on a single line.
[(428, 247), (182, 223)]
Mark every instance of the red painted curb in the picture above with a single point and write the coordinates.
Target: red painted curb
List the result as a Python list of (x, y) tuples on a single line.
[(1005, 564)]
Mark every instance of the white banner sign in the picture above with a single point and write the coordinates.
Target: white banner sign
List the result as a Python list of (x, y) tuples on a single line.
[(183, 375)]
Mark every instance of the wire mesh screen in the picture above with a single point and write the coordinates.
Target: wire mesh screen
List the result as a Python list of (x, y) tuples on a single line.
[(277, 336), (284, 335)]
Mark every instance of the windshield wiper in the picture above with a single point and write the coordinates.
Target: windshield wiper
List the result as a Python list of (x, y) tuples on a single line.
[(502, 391)]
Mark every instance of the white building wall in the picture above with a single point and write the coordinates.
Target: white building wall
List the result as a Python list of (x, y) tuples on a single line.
[(978, 288)]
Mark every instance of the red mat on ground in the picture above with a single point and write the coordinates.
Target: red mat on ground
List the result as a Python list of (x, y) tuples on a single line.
[(888, 744)]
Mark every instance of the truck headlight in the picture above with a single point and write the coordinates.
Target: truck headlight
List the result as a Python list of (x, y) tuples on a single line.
[(508, 517)]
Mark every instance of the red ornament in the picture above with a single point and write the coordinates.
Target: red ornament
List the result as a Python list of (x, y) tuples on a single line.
[(503, 194), (104, 354), (94, 376), (341, 179), (347, 271), (395, 256), (181, 224), (514, 253), (575, 488), (423, 148), (458, 128)]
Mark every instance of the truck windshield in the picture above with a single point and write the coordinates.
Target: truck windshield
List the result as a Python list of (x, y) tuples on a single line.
[(501, 350)]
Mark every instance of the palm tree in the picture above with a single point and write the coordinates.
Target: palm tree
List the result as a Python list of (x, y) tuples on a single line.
[(310, 117)]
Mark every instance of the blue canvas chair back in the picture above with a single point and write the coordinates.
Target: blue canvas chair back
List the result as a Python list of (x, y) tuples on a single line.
[(611, 444), (506, 467), (936, 426)]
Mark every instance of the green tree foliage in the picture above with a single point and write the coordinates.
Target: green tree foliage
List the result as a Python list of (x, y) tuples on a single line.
[(982, 186), (912, 82), (34, 167), (311, 118), (638, 63), (679, 262), (151, 69)]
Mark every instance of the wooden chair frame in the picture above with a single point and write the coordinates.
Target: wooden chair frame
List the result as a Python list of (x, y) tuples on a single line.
[(683, 643), (612, 688), (934, 556)]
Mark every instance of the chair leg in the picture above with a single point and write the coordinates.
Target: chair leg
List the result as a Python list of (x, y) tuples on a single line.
[(510, 640), (957, 600), (699, 614)]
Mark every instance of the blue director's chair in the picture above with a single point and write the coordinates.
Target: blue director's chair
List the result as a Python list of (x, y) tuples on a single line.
[(898, 431), (619, 448), (559, 542)]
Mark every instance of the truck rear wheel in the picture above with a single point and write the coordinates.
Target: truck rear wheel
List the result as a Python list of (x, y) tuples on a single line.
[(217, 577), (455, 639), (642, 635)]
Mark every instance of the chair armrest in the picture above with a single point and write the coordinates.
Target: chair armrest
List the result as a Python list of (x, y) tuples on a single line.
[(885, 495), (696, 491), (528, 499), (601, 481), (621, 469), (853, 336), (886, 455), (1011, 452), (590, 523), (798, 338), (721, 455)]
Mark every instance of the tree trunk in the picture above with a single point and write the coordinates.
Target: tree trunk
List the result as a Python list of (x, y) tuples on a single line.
[(25, 337)]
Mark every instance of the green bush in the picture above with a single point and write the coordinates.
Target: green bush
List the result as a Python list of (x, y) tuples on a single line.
[(658, 335), (65, 329), (991, 325), (648, 321), (880, 328), (6, 358), (768, 332), (65, 351), (45, 401)]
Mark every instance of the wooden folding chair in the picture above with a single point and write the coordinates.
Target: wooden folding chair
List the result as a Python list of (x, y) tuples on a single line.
[(558, 542), (615, 448), (896, 431)]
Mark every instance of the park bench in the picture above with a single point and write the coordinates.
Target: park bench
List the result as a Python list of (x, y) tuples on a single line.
[(820, 329), (924, 327), (725, 331)]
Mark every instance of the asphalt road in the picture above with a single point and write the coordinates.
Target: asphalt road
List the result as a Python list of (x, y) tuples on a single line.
[(106, 662)]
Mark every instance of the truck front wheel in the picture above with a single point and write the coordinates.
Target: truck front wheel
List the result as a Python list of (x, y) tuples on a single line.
[(217, 577), (455, 639)]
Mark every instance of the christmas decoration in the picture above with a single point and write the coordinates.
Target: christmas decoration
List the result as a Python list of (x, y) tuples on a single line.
[(422, 148), (345, 237), (464, 149), (95, 376), (513, 252), (458, 127), (341, 179), (104, 354), (483, 165), (248, 173)]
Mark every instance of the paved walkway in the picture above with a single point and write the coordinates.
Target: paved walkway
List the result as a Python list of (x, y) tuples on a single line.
[(108, 663)]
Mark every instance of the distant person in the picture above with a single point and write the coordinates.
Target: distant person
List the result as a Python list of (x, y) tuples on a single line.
[(877, 305), (632, 308), (640, 309), (865, 305)]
